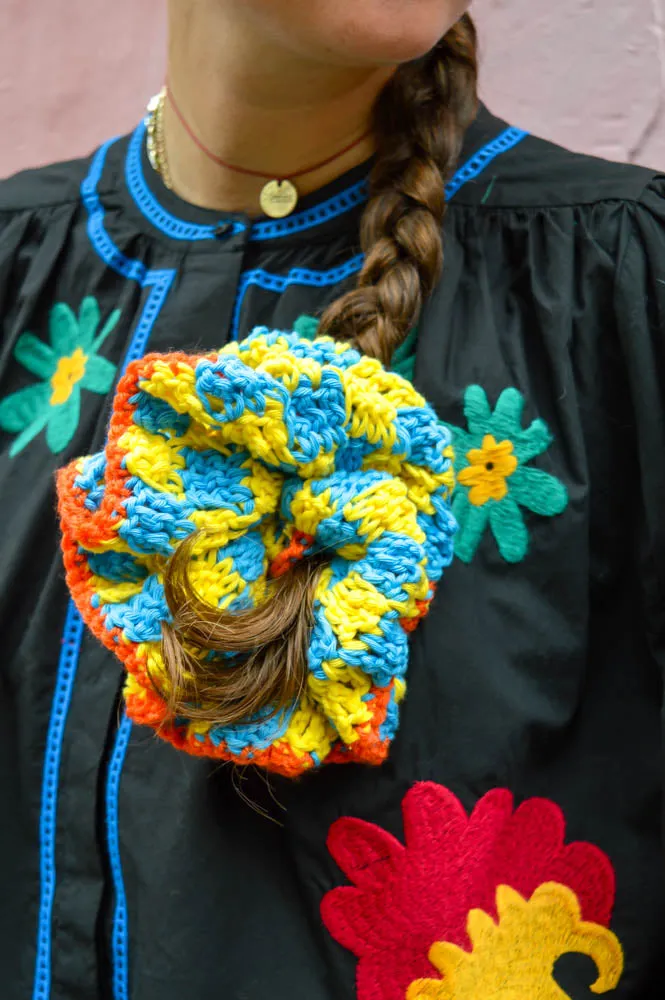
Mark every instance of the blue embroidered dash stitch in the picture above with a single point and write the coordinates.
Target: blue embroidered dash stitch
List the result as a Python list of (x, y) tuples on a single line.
[(71, 642), (348, 199), (340, 203), (297, 276), (151, 209), (178, 229), (119, 935), (159, 282), (479, 162)]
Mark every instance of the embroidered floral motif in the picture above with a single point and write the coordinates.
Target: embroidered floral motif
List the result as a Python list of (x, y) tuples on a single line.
[(69, 364), (499, 887), (494, 478)]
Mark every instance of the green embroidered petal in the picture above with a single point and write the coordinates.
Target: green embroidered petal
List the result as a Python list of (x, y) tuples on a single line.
[(35, 355), (88, 322), (63, 330), (506, 422), (538, 491), (110, 325), (33, 429), (477, 411), (63, 422), (472, 522), (463, 442), (99, 374), (509, 529), (532, 441), (22, 408)]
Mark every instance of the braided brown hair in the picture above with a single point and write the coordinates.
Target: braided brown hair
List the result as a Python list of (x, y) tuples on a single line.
[(419, 124)]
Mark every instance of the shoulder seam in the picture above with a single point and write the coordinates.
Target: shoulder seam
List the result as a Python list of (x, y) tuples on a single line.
[(74, 200), (15, 209), (9, 207), (620, 199)]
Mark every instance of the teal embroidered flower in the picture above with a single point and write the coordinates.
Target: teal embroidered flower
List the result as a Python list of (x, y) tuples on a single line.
[(69, 364), (494, 478)]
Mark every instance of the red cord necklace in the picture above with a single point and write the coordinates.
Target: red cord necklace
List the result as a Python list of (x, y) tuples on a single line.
[(279, 196)]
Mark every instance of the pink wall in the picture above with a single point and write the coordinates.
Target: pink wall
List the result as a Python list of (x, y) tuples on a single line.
[(587, 73)]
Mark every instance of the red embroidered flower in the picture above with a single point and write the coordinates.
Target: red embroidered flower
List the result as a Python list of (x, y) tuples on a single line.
[(406, 898)]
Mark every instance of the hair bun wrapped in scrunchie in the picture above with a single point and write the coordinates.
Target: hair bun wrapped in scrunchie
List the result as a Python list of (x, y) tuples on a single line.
[(274, 448)]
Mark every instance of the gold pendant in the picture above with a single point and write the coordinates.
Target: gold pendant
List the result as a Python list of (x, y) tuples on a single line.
[(278, 199)]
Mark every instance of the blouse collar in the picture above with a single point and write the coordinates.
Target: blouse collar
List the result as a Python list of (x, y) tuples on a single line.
[(335, 207)]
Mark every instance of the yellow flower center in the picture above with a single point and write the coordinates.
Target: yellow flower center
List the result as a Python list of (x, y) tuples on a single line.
[(70, 370), (514, 957), (489, 468)]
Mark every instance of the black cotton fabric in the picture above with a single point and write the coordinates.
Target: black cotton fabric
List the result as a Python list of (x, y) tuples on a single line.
[(130, 870)]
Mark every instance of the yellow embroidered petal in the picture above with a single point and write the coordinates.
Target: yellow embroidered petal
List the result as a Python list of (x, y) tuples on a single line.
[(514, 958), (70, 370), (489, 468)]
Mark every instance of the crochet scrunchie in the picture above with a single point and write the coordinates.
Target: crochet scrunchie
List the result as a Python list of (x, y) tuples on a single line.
[(274, 448)]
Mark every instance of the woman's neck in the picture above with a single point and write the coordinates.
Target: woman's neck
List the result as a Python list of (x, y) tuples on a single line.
[(257, 105)]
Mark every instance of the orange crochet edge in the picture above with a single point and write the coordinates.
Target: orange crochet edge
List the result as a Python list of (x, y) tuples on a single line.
[(100, 526)]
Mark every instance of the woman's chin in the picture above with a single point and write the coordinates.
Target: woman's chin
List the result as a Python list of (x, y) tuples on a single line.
[(360, 32)]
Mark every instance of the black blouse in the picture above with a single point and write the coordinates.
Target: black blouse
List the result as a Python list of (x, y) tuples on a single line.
[(513, 838)]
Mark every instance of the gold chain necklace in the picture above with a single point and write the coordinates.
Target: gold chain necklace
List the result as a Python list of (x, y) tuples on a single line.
[(155, 144), (279, 196)]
